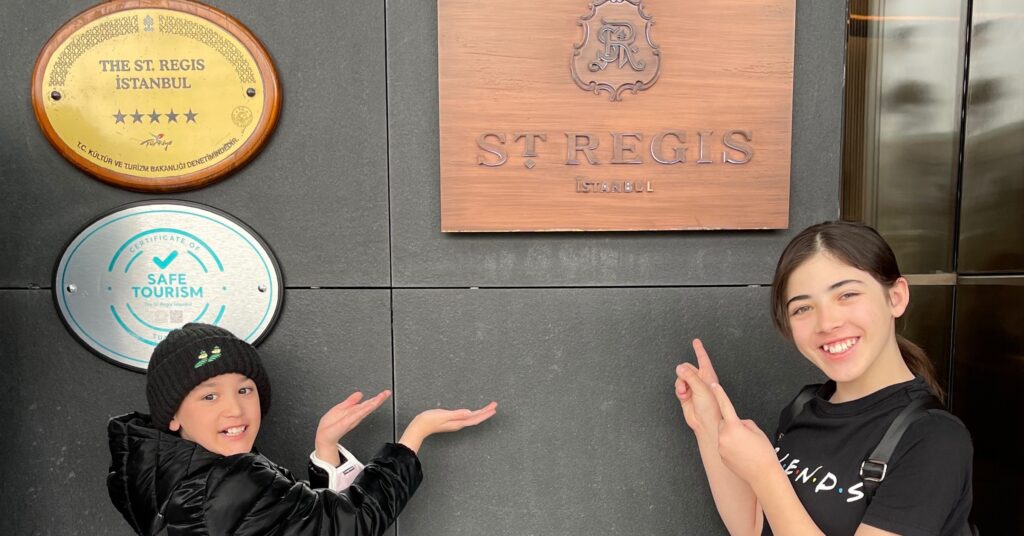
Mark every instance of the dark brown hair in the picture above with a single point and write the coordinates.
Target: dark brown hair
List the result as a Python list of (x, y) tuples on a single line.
[(857, 245)]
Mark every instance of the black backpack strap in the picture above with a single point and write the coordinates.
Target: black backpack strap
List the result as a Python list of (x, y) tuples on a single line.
[(795, 407), (874, 469)]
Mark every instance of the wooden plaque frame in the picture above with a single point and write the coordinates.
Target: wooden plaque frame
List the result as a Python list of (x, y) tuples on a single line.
[(615, 115), (238, 157)]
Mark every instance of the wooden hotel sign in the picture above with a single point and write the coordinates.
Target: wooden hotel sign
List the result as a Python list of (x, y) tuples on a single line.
[(615, 114)]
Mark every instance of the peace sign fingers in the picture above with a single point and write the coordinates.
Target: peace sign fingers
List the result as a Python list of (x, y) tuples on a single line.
[(707, 372)]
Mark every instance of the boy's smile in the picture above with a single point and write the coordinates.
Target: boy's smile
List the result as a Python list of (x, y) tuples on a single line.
[(221, 414)]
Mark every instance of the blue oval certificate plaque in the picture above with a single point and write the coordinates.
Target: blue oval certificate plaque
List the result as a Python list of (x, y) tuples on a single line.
[(133, 275)]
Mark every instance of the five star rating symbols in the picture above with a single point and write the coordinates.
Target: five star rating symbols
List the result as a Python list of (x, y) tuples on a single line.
[(154, 117)]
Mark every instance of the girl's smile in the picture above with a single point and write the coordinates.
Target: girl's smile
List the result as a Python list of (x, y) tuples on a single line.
[(840, 349), (843, 321)]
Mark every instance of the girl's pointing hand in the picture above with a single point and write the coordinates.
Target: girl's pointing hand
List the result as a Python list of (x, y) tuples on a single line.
[(744, 448)]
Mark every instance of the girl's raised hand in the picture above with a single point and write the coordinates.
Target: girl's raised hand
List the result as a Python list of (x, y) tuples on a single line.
[(707, 372), (433, 421), (700, 408), (744, 448), (704, 370), (340, 420)]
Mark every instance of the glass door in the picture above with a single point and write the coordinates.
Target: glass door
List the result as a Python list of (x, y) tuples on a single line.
[(939, 171)]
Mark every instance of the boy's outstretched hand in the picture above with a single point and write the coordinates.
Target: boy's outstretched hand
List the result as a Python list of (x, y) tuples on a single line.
[(434, 421), (340, 420)]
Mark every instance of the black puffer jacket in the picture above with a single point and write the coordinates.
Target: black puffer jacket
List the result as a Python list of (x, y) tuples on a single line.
[(163, 484)]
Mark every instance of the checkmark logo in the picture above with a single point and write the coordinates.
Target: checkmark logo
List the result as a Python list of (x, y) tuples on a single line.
[(166, 261)]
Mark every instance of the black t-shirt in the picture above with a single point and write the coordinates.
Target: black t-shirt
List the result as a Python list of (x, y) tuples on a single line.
[(927, 489)]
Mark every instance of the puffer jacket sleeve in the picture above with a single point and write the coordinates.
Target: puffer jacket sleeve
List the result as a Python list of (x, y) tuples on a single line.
[(248, 495), (318, 477)]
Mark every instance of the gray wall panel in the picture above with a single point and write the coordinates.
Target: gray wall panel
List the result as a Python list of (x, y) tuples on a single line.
[(588, 438), (319, 190), (317, 193), (422, 256), (56, 397)]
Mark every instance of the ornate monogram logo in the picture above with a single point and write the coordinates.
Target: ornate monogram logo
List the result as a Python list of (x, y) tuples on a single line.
[(616, 53)]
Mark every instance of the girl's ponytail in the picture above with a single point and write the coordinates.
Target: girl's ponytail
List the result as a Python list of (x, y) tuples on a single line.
[(919, 363)]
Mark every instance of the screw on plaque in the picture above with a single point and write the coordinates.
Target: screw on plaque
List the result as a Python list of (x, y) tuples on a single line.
[(251, 92), (262, 288), (55, 95), (72, 288)]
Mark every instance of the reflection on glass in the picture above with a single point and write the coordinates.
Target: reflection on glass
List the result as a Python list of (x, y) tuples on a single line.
[(902, 125), (992, 222), (988, 372)]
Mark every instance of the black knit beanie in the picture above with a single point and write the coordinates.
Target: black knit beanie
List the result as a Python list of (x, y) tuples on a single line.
[(190, 356)]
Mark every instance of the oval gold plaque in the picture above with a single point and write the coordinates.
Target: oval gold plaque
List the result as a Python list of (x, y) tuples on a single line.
[(155, 95)]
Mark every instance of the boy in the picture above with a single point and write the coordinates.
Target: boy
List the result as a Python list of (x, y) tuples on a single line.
[(189, 467)]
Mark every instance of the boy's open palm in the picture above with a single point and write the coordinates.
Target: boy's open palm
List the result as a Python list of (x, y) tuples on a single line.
[(341, 419), (434, 421)]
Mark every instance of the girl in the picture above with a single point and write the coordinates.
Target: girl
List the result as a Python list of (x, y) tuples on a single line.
[(189, 467), (836, 294)]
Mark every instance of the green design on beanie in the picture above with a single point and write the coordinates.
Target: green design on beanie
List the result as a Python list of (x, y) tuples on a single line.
[(204, 358)]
